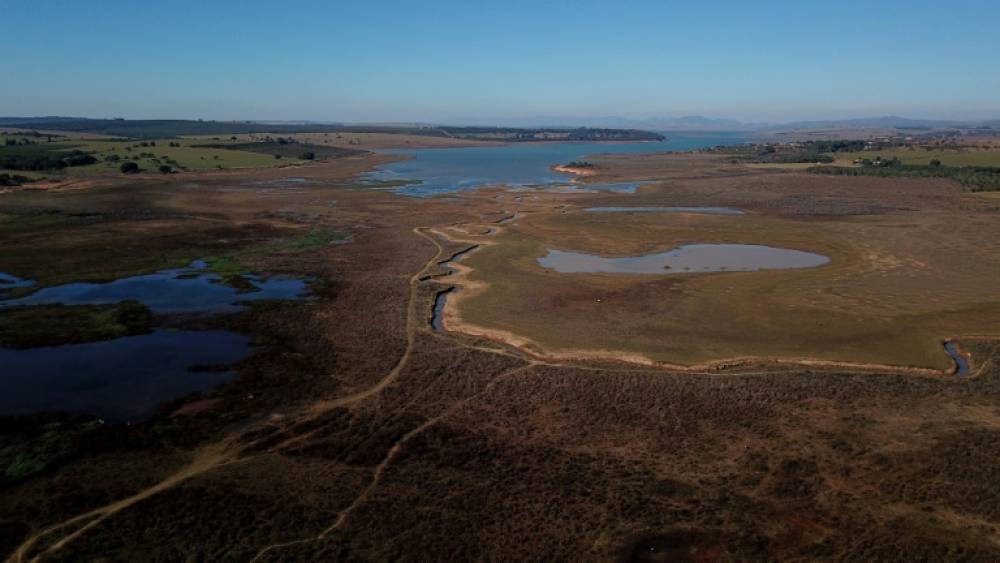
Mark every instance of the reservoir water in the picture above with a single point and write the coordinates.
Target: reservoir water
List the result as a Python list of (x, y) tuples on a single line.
[(429, 172)]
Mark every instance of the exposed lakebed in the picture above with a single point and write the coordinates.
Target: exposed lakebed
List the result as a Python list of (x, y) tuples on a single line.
[(691, 258), (125, 378)]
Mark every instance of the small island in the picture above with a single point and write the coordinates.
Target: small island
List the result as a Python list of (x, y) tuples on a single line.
[(577, 168)]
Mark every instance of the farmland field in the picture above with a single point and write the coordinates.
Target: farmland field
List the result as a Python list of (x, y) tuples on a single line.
[(919, 155)]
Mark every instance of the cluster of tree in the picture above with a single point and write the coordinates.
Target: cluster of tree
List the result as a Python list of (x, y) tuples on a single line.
[(580, 164), (835, 146), (13, 179), (586, 134), (288, 149), (45, 161), (975, 178), (800, 156), (24, 137)]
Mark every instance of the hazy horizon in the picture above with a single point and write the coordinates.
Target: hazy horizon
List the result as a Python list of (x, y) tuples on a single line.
[(456, 63)]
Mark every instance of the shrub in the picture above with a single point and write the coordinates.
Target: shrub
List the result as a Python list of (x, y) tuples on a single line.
[(308, 155), (129, 168), (164, 169)]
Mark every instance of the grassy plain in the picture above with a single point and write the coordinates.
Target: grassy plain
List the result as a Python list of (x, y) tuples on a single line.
[(948, 157), (904, 274)]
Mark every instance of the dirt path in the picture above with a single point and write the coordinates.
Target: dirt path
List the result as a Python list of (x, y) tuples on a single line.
[(381, 467), (208, 458)]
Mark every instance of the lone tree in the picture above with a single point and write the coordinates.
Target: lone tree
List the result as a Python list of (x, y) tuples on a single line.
[(129, 168), (164, 169), (935, 163), (308, 155)]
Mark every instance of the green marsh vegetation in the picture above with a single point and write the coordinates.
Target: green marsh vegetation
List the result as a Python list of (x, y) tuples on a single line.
[(234, 264), (53, 325)]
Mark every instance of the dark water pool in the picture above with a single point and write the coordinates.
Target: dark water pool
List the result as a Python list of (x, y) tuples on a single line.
[(181, 290), (121, 380), (125, 378)]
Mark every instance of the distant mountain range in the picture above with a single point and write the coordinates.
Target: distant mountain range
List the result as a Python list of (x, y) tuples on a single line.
[(132, 127), (702, 123)]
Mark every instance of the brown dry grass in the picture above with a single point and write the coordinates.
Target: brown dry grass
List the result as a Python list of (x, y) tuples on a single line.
[(475, 450)]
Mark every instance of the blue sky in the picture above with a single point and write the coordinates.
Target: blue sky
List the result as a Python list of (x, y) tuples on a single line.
[(445, 61)]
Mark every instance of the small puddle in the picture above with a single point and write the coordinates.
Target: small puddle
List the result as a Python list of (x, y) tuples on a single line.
[(691, 258), (8, 282), (961, 362), (120, 380), (703, 210), (180, 290)]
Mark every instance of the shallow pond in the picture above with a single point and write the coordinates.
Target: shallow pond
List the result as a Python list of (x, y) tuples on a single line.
[(526, 165), (191, 289), (704, 210), (125, 378), (691, 258), (121, 380)]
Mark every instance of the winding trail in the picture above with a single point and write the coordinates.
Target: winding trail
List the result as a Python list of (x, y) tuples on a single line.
[(208, 458), (380, 469)]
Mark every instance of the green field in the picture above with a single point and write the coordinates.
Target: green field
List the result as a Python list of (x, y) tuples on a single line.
[(186, 156), (948, 157), (157, 152)]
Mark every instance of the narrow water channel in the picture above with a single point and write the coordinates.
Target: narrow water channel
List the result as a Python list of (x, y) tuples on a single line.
[(437, 312), (961, 362)]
